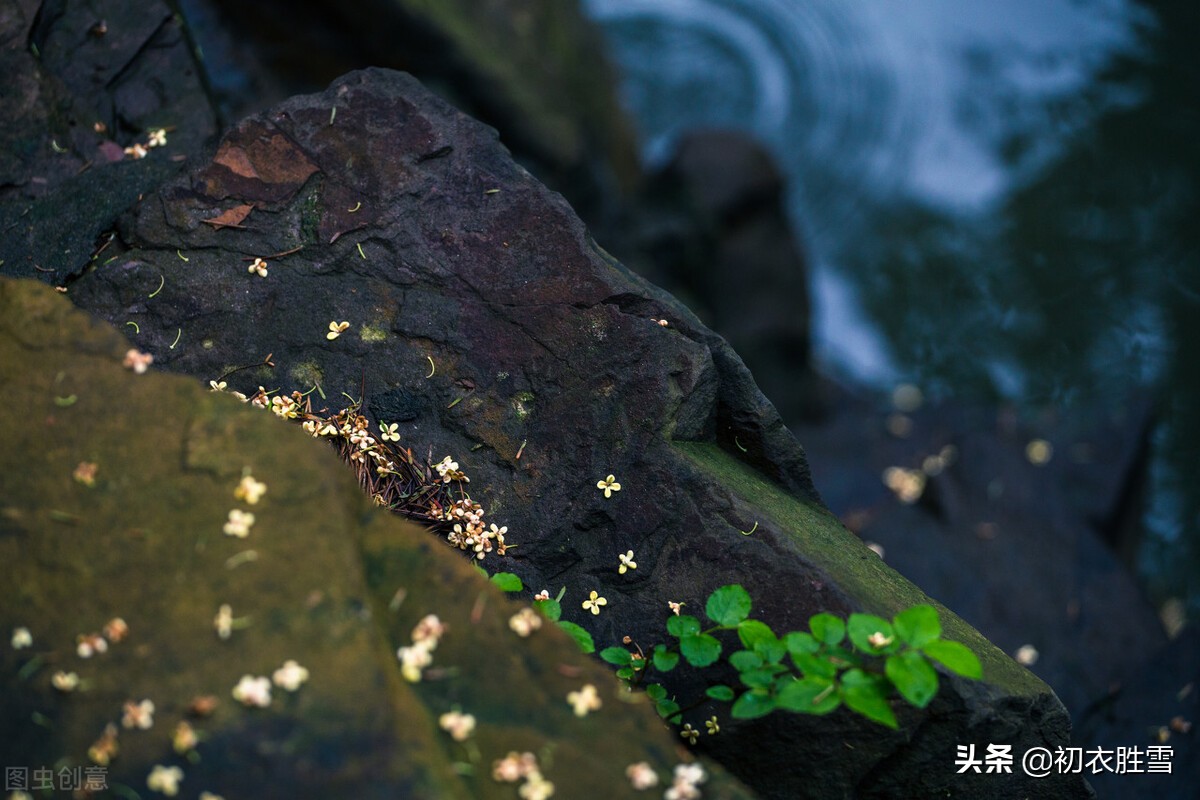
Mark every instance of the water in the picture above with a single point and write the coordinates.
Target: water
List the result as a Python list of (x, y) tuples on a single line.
[(998, 198)]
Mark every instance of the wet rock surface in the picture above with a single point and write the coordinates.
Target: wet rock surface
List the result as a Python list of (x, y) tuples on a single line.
[(486, 323), (321, 578)]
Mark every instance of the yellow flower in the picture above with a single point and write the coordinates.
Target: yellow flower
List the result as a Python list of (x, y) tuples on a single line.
[(259, 266), (594, 602), (335, 329), (388, 432), (712, 726), (690, 733), (250, 490), (608, 485), (627, 562)]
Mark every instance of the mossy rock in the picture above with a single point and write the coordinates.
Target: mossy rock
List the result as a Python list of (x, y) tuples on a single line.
[(322, 578)]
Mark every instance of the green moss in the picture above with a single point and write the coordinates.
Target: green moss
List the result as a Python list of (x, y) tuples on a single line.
[(522, 403), (372, 333), (827, 544), (307, 373)]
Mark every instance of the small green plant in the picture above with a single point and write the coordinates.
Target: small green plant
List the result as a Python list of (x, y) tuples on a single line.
[(859, 662)]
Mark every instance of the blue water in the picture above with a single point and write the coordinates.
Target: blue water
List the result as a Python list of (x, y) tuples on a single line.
[(996, 198)]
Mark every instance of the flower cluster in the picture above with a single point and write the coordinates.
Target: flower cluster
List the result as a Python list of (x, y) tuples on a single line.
[(419, 654), (523, 767), (684, 785), (154, 138), (430, 493), (105, 749)]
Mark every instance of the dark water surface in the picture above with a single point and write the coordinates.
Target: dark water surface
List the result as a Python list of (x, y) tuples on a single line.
[(1000, 200)]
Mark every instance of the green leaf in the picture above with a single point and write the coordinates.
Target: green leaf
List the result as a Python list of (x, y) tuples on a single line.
[(917, 626), (666, 708), (798, 642), (682, 625), (812, 665), (744, 660), (719, 692), (550, 608), (581, 637), (862, 627), (728, 605), (758, 678), (700, 649), (912, 676), (827, 628), (625, 673), (480, 569), (656, 692), (507, 582), (754, 703), (815, 695), (664, 659), (616, 655), (955, 657), (773, 650), (867, 694), (751, 631)]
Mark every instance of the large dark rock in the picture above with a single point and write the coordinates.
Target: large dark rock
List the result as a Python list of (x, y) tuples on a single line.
[(83, 81), (321, 578), (711, 228), (534, 69), (484, 320)]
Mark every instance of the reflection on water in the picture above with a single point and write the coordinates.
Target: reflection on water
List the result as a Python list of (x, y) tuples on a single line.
[(999, 199)]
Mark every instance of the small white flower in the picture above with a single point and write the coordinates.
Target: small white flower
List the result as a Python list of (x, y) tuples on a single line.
[(137, 361), (641, 776), (138, 715), (250, 490), (389, 432), (65, 681), (158, 138), (165, 779), (253, 691), (21, 638), (458, 725), (90, 644), (525, 622), (239, 523), (594, 602), (627, 562), (290, 676), (414, 659), (218, 386), (223, 622), (335, 330), (259, 266), (585, 700)]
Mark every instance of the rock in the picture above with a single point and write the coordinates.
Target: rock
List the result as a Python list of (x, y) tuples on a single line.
[(537, 71), (321, 578), (504, 337), (712, 229), (1012, 546), (82, 82)]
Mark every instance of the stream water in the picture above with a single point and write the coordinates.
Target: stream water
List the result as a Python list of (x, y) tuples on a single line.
[(999, 200)]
